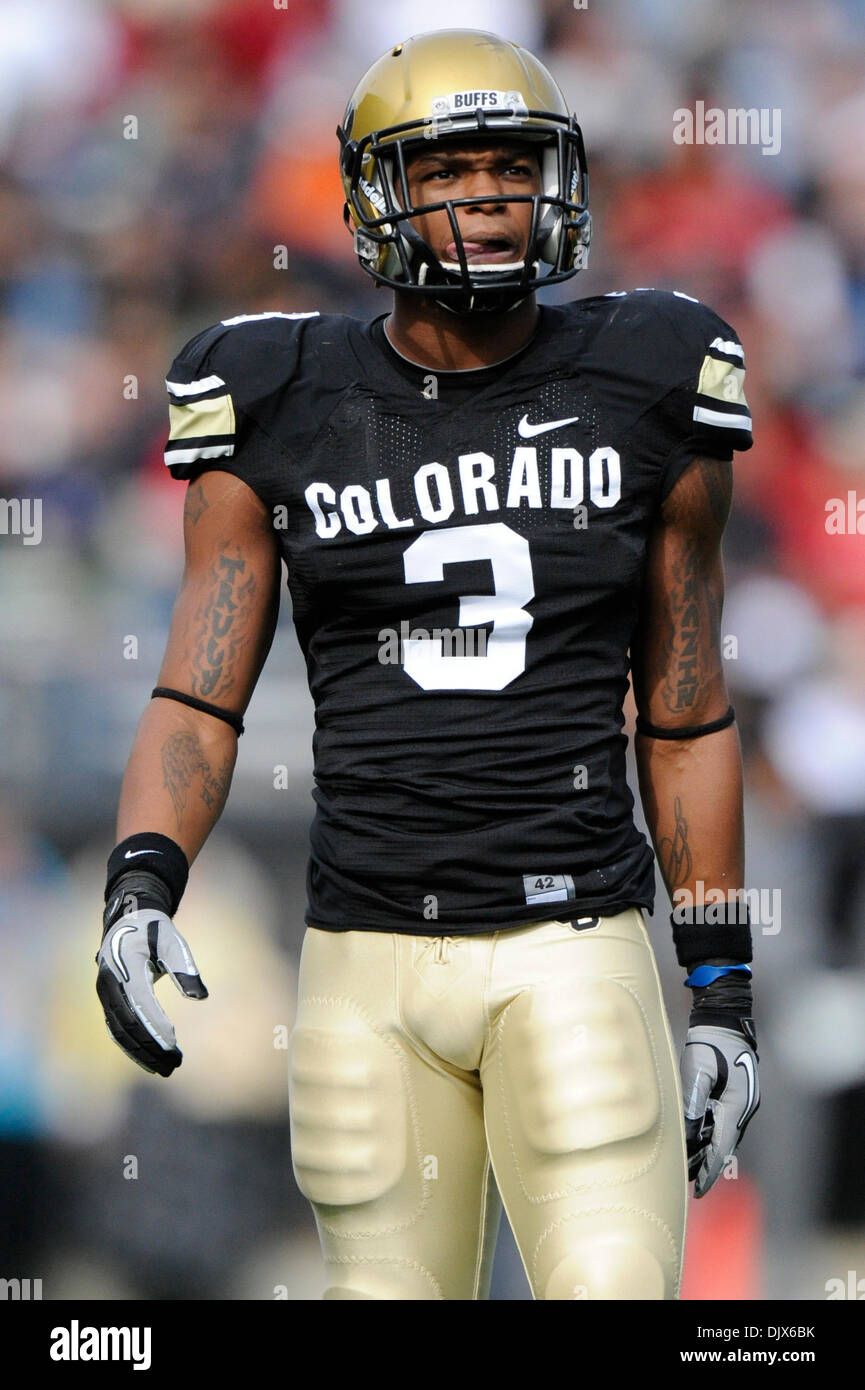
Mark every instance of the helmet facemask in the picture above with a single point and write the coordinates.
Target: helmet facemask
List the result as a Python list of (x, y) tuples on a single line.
[(393, 252)]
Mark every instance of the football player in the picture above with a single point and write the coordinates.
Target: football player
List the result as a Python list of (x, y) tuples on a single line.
[(489, 511)]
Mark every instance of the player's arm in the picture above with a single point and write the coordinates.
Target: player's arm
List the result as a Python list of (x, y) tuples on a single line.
[(691, 788), (182, 759)]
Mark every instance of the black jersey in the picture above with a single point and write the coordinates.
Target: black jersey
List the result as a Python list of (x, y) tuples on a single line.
[(465, 554)]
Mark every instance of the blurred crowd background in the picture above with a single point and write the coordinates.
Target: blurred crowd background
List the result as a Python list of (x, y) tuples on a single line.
[(154, 155)]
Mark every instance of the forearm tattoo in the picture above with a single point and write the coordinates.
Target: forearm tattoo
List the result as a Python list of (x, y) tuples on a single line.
[(222, 628), (674, 852), (183, 763)]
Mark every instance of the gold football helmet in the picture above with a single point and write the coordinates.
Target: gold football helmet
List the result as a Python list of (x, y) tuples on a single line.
[(456, 84)]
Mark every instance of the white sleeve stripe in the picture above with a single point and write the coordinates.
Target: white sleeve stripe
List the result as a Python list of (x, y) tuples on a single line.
[(206, 451), (717, 417), (271, 314), (731, 349), (194, 388)]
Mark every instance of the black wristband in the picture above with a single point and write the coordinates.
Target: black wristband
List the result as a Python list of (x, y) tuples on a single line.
[(714, 929), (153, 854)]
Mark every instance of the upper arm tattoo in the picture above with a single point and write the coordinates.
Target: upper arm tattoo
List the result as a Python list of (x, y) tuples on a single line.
[(226, 616), (196, 503), (679, 659), (693, 622), (222, 625), (716, 480)]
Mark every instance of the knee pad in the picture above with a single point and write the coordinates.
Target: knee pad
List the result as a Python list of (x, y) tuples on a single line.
[(348, 1106), (610, 1264), (399, 1279), (339, 1291)]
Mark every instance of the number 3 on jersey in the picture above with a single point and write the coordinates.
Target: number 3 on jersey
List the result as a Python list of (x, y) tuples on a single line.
[(505, 658)]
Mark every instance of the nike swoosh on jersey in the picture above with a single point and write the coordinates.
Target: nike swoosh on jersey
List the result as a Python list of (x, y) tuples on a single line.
[(115, 951), (527, 431)]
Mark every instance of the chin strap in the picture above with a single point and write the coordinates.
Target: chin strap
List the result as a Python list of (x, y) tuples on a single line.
[(490, 304), (481, 308)]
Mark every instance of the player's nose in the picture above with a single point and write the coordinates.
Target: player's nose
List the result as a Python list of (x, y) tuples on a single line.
[(483, 183)]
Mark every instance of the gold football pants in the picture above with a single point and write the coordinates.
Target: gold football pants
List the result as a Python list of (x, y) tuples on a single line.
[(433, 1079)]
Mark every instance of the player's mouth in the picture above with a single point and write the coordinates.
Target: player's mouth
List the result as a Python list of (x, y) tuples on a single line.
[(487, 250)]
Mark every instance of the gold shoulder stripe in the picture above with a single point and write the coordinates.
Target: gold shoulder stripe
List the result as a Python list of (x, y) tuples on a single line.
[(202, 419), (721, 381)]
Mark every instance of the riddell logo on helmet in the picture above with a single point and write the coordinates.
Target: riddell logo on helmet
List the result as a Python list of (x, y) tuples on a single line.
[(374, 196)]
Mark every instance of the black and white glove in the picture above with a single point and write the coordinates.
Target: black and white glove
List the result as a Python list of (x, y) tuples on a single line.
[(720, 1082), (140, 944)]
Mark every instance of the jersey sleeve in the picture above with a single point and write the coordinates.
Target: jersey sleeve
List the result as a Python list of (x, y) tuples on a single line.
[(223, 387), (707, 409), (202, 417)]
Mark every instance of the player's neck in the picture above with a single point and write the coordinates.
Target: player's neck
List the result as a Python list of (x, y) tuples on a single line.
[(432, 337)]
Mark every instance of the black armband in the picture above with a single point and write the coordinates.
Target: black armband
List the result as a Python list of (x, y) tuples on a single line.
[(164, 693), (712, 929), (149, 854), (686, 730)]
